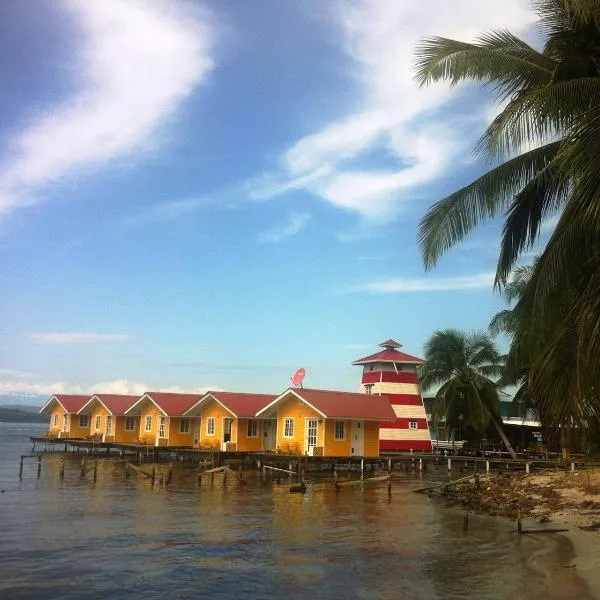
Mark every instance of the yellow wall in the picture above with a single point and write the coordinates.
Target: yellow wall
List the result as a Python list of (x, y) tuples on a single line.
[(149, 437), (73, 429), (293, 408), (123, 436), (54, 430), (99, 411), (371, 446), (214, 409), (246, 444), (335, 447), (176, 438)]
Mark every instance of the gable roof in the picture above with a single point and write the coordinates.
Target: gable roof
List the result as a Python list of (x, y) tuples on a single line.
[(390, 344), (390, 355), (115, 404), (340, 405), (170, 404), (239, 404), (71, 403)]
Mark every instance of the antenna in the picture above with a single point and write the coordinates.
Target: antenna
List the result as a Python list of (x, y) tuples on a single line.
[(298, 377)]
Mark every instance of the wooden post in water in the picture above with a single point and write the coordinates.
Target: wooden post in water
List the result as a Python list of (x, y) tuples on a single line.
[(127, 470), (62, 469), (169, 474), (362, 468), (39, 471), (95, 470), (82, 473), (487, 467), (420, 464), (390, 466), (449, 464), (466, 522), (21, 468), (153, 474), (527, 468), (519, 526), (572, 467)]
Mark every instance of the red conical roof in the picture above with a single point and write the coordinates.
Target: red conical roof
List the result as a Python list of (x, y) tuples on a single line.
[(390, 354), (390, 344)]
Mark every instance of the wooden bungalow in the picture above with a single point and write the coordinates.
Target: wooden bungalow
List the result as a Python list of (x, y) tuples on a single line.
[(327, 423), (228, 422), (64, 420), (107, 419), (162, 421)]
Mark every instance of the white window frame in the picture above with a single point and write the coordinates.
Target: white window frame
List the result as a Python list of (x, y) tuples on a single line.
[(162, 427), (413, 424), (335, 431), (307, 432), (210, 426), (129, 420), (252, 428), (288, 423), (98, 422), (148, 424), (65, 422), (187, 428), (84, 421), (56, 419), (109, 424)]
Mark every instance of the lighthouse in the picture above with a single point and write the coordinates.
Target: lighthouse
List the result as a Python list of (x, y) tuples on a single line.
[(393, 373)]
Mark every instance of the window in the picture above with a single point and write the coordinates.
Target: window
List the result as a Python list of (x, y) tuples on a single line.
[(109, 425), (413, 425), (84, 420), (210, 426), (252, 428), (311, 432), (55, 419), (161, 427), (98, 422), (65, 422), (370, 367), (369, 388), (129, 423), (340, 430), (288, 428), (184, 426), (148, 423)]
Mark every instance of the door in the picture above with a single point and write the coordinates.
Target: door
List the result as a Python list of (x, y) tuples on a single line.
[(65, 423), (227, 421), (162, 429), (312, 426), (108, 425), (269, 429), (358, 438), (197, 428)]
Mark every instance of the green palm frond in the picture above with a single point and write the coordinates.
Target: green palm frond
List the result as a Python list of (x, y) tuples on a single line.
[(450, 220)]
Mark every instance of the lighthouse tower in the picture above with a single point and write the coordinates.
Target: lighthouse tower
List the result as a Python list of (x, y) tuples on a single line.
[(393, 373)]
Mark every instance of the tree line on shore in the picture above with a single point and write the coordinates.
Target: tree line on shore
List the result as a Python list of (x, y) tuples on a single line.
[(544, 152)]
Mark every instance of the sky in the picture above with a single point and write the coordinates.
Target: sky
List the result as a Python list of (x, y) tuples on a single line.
[(210, 195)]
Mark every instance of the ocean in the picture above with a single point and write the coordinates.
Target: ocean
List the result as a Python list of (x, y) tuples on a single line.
[(121, 538)]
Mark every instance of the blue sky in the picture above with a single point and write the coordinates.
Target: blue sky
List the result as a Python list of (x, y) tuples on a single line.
[(212, 194)]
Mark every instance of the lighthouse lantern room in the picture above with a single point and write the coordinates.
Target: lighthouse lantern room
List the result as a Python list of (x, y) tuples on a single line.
[(393, 373)]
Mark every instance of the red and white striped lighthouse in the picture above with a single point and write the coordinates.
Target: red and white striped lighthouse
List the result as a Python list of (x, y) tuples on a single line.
[(394, 374)]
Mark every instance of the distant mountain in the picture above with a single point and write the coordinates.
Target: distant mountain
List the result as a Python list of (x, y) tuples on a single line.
[(26, 414), (26, 402)]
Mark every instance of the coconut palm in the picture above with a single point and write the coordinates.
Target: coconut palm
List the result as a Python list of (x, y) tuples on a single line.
[(551, 109), (463, 365)]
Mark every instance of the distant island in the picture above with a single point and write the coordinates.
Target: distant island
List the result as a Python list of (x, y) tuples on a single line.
[(21, 414)]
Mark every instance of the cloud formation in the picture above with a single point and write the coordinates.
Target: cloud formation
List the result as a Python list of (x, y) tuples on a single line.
[(139, 60), (393, 117), (401, 285), (293, 226), (76, 337)]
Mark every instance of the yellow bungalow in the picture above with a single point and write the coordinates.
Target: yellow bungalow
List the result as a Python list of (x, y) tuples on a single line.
[(162, 421), (64, 421), (228, 422), (107, 419), (328, 423)]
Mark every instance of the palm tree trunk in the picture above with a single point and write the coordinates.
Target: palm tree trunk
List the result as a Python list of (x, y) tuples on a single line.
[(504, 439)]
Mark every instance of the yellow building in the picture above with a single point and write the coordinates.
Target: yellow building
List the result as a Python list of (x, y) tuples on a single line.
[(327, 423), (64, 420), (107, 419), (228, 422), (162, 421)]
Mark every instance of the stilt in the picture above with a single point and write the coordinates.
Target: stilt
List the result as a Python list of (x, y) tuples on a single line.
[(83, 461), (420, 464), (126, 470), (95, 470), (39, 469), (21, 468), (466, 522), (362, 468), (449, 464), (62, 469), (572, 467), (519, 526), (487, 467), (527, 468), (169, 474), (153, 474)]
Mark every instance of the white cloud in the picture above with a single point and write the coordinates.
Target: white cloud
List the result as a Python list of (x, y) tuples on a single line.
[(393, 115), (76, 337), (399, 285), (15, 373), (139, 60), (118, 386), (293, 226)]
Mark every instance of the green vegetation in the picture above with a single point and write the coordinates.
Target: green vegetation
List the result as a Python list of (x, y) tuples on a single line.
[(545, 144), (18, 415)]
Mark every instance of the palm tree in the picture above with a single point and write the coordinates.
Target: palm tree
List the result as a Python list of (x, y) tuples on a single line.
[(463, 365), (552, 107)]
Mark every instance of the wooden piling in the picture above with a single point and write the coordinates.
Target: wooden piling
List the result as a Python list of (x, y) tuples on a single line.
[(572, 467), (62, 469), (362, 468), (519, 525), (527, 468), (21, 468), (153, 474), (83, 461), (169, 474), (95, 470), (39, 468), (449, 464), (466, 522)]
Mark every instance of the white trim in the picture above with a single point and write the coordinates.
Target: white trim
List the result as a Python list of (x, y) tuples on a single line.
[(146, 417), (335, 422), (256, 422), (306, 420), (88, 421), (387, 360), (125, 424), (289, 437), (162, 420), (49, 401), (94, 397), (214, 422), (109, 420), (282, 396), (145, 397), (208, 396), (189, 422), (98, 423), (55, 419)]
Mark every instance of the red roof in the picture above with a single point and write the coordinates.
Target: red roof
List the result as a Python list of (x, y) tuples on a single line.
[(70, 402), (346, 405), (389, 355), (390, 344), (117, 403), (172, 404), (241, 404)]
